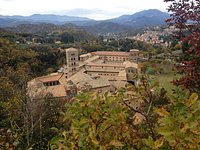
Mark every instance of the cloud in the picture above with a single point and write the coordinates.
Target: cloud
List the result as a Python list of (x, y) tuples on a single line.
[(79, 12), (95, 9), (90, 13), (98, 14)]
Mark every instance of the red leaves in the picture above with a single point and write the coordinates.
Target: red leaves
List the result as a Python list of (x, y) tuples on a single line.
[(186, 16), (191, 82), (169, 20)]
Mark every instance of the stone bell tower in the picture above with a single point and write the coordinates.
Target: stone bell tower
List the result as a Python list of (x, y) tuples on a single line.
[(71, 61)]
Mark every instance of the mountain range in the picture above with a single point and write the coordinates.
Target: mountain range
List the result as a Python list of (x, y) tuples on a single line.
[(146, 18)]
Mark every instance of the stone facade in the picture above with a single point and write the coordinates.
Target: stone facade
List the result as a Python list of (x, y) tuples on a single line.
[(71, 61)]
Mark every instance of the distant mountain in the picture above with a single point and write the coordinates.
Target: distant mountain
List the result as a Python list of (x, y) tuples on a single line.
[(125, 23), (149, 17), (106, 27), (57, 18), (128, 23), (10, 22), (39, 18)]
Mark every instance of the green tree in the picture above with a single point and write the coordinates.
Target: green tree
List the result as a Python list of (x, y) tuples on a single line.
[(95, 122), (24, 122), (178, 123), (67, 38), (109, 121)]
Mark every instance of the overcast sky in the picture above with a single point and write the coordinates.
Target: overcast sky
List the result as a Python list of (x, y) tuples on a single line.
[(94, 9)]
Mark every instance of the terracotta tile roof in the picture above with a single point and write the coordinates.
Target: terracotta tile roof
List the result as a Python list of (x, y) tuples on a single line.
[(118, 84), (129, 64), (72, 49), (94, 58), (134, 65), (103, 64), (56, 91), (103, 70), (99, 83), (50, 78), (79, 77), (85, 55), (110, 53)]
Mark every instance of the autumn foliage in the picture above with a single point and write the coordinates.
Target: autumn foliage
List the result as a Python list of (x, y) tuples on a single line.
[(186, 17)]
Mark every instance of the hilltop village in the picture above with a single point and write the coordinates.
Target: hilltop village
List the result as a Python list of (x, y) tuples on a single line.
[(96, 71)]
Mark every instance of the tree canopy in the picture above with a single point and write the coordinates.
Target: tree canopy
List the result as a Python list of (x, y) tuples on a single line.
[(185, 16)]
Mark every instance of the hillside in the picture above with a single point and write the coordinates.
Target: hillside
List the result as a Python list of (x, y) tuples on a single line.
[(40, 28), (149, 17), (106, 27)]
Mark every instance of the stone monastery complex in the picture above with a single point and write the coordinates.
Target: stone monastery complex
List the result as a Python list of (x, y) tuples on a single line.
[(97, 71)]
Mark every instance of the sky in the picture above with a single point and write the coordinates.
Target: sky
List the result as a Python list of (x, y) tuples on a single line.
[(94, 9)]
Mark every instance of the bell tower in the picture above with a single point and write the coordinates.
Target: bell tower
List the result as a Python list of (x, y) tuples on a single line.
[(71, 61)]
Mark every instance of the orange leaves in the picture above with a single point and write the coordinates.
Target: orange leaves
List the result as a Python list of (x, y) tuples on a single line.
[(192, 99), (162, 112), (116, 143)]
